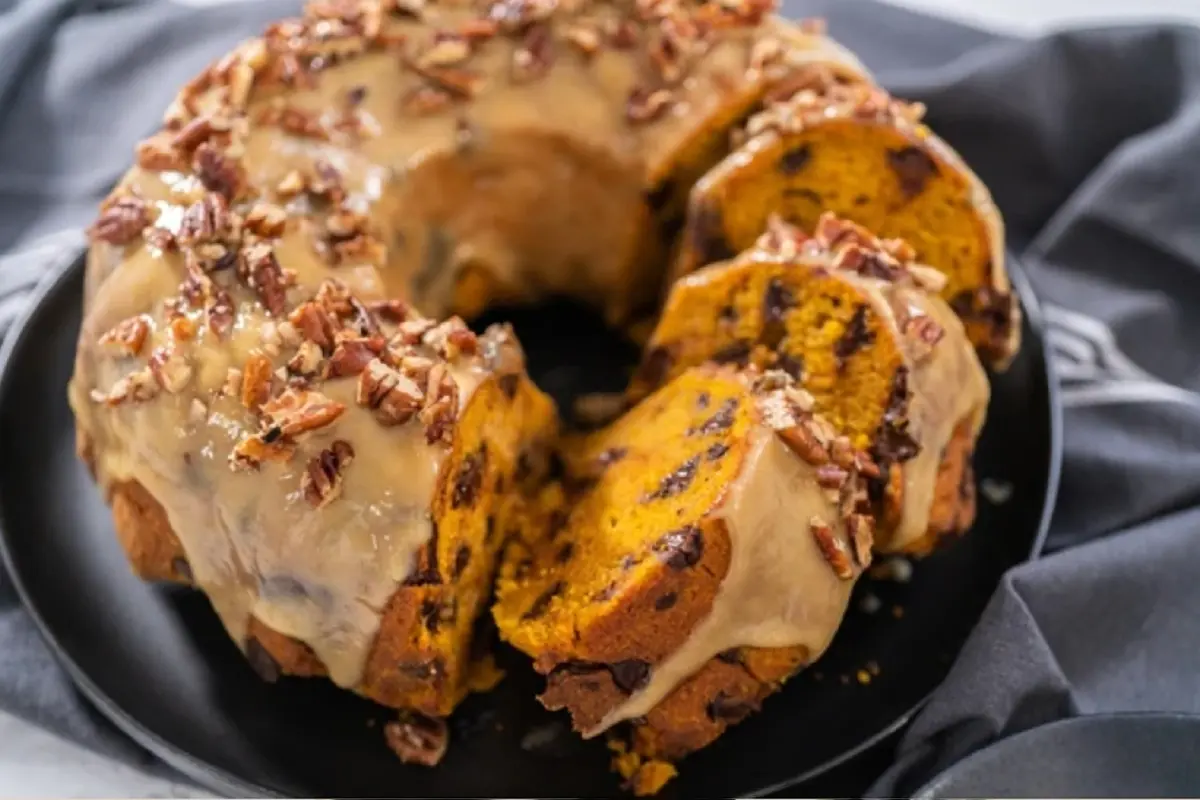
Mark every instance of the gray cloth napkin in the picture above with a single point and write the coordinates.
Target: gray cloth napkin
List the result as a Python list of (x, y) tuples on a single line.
[(1090, 141)]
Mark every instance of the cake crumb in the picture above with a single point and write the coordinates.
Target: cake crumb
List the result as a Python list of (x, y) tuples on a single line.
[(863, 677), (997, 492), (869, 604), (896, 568), (898, 612)]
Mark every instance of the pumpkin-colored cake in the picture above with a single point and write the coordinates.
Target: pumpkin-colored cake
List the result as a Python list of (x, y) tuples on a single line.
[(703, 549), (849, 148), (862, 329)]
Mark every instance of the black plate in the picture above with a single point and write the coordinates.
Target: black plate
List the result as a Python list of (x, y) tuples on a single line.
[(155, 659), (1119, 755)]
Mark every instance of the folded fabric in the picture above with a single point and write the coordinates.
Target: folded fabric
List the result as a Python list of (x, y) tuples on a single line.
[(1090, 141)]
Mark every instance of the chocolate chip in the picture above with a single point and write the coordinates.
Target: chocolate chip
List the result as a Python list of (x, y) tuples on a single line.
[(611, 456), (794, 160), (731, 656), (716, 452), (181, 567), (470, 478), (718, 422), (430, 614), (735, 353), (426, 572), (724, 708), (854, 338), (658, 197), (605, 594), (792, 365), (708, 233), (558, 521), (655, 366), (462, 557), (702, 400), (565, 552), (420, 670), (777, 300), (807, 194), (262, 662), (508, 384), (677, 481), (727, 314), (630, 675), (543, 601), (893, 442), (681, 548), (914, 167), (489, 534), (665, 601)]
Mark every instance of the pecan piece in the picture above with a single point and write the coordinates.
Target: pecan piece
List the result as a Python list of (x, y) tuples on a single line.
[(217, 171), (298, 411), (262, 273), (208, 220), (352, 355), (862, 534), (315, 323), (136, 387), (396, 398), (256, 382), (307, 360), (266, 219), (126, 337), (417, 739), (321, 482), (170, 369), (645, 105), (252, 451), (832, 548), (121, 221)]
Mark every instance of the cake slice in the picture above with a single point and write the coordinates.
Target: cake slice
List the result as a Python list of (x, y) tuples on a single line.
[(852, 149), (333, 474), (862, 329), (698, 552)]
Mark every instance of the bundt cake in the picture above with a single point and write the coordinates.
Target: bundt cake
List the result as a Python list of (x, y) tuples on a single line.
[(862, 330), (277, 393), (849, 148), (700, 550)]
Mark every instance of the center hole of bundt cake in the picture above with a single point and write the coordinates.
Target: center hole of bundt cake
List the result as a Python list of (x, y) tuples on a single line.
[(569, 349)]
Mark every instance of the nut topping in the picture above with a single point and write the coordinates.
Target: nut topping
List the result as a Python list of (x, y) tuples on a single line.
[(170, 369), (256, 382), (321, 482), (832, 548), (121, 221), (127, 337), (307, 360), (135, 387), (646, 106), (262, 273), (417, 739), (298, 411), (395, 397)]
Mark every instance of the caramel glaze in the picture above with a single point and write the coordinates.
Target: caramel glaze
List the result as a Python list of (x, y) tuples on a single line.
[(946, 387), (781, 589)]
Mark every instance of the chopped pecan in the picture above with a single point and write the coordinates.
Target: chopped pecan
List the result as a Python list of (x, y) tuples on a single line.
[(622, 34), (160, 238), (298, 411), (441, 405), (326, 182), (156, 154), (251, 451), (922, 333), (121, 221), (534, 57), (645, 105), (928, 278), (220, 313), (199, 131), (296, 121), (352, 355), (136, 387), (307, 360), (802, 441), (266, 220), (217, 171), (585, 38), (182, 328), (426, 100), (516, 15), (208, 220), (417, 739), (256, 382), (412, 331), (261, 272), (316, 323), (395, 397), (478, 30), (862, 534), (451, 338), (170, 369), (832, 548), (127, 336), (321, 482), (291, 184), (446, 50)]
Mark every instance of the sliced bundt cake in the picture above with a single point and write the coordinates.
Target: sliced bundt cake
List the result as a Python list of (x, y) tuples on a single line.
[(704, 550), (861, 328), (851, 149), (330, 468)]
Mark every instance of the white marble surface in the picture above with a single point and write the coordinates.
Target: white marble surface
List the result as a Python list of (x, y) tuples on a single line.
[(36, 764)]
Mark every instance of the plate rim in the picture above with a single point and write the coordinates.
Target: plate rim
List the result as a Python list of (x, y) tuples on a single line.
[(212, 777)]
